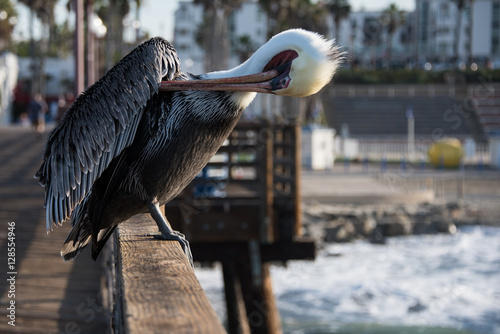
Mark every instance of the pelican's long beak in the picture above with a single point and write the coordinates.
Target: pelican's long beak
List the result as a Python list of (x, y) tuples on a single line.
[(264, 82)]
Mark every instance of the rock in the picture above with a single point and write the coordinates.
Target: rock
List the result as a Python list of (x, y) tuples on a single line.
[(310, 217), (438, 210), (331, 216), (395, 224), (418, 307), (454, 210), (377, 236), (378, 214), (315, 231), (343, 232), (451, 206), (444, 226), (432, 224), (365, 225), (364, 298), (422, 226), (334, 254), (344, 223)]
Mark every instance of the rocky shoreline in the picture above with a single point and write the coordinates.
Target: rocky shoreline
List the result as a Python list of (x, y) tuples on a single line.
[(343, 223)]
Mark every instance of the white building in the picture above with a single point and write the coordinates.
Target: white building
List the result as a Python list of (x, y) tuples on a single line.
[(58, 71), (365, 35), (486, 28), (437, 23), (428, 33)]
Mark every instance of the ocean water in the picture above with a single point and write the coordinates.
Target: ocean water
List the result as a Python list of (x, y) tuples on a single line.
[(416, 284)]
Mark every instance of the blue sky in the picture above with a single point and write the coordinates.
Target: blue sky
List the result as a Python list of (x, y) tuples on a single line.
[(157, 16)]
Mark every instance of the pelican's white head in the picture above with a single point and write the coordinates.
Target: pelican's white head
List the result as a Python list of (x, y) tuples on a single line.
[(311, 60)]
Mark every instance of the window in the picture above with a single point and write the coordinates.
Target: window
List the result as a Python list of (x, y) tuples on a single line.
[(495, 28)]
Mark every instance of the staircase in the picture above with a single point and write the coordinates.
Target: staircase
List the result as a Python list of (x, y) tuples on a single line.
[(486, 100)]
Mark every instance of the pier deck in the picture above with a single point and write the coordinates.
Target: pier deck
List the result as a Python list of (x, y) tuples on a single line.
[(51, 296)]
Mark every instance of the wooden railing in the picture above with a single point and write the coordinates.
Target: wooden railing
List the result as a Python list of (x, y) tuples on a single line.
[(153, 286)]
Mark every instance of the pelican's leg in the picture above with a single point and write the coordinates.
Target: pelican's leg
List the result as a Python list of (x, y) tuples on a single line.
[(166, 232)]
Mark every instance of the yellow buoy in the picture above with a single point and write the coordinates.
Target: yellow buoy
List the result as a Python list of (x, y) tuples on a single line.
[(447, 152)]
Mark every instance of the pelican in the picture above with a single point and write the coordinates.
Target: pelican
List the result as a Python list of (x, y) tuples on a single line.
[(133, 140)]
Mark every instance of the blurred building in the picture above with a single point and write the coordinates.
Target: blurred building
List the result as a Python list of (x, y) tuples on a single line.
[(365, 35), (437, 32), (59, 74), (188, 18), (475, 28), (437, 36)]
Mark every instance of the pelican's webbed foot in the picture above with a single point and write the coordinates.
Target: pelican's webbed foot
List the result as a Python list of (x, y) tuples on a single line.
[(177, 236), (167, 233)]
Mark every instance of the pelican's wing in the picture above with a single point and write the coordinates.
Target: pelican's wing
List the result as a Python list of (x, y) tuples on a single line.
[(100, 124)]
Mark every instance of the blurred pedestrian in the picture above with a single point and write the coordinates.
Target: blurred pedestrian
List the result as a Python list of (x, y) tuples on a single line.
[(36, 111), (63, 105)]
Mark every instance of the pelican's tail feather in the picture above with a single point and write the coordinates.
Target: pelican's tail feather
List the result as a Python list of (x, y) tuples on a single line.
[(79, 236)]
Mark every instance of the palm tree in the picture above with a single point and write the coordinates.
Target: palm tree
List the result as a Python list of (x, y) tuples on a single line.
[(44, 10), (112, 13), (340, 10), (244, 47), (213, 34), (7, 22), (284, 15), (392, 17)]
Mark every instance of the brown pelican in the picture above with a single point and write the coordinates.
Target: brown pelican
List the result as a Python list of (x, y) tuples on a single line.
[(131, 142)]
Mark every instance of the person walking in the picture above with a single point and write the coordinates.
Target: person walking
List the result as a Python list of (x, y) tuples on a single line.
[(36, 111)]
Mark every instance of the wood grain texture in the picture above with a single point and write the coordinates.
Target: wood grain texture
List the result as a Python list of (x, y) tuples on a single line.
[(158, 289), (52, 296)]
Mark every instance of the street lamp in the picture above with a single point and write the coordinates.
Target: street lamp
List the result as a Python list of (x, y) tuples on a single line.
[(97, 27), (411, 131), (96, 30)]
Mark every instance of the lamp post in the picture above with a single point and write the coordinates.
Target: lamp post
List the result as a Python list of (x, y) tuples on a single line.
[(411, 131), (95, 31), (90, 44), (79, 49)]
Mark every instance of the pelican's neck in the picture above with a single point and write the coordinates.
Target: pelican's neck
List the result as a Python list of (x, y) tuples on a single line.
[(246, 68)]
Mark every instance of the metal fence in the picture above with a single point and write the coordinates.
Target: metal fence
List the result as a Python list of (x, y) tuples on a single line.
[(398, 149)]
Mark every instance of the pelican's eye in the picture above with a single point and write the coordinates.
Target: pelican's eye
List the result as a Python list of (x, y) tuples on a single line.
[(281, 59)]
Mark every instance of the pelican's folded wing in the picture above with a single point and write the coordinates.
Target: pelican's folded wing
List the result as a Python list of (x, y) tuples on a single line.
[(100, 124)]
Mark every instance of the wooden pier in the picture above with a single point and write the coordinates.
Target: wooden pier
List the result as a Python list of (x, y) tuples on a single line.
[(244, 212), (51, 296)]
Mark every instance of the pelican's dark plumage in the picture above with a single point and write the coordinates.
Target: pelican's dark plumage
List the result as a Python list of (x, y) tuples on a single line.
[(125, 147)]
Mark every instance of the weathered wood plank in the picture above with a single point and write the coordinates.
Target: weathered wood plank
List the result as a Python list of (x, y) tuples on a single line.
[(51, 296), (158, 291)]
